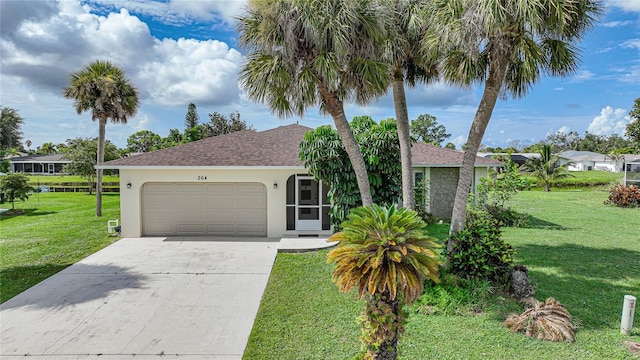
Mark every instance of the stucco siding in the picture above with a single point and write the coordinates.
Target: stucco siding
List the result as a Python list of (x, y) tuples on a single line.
[(131, 198)]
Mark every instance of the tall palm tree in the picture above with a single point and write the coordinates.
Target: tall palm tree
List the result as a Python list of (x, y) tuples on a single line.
[(386, 255), (508, 45), (547, 167), (407, 66), (316, 53), (102, 88)]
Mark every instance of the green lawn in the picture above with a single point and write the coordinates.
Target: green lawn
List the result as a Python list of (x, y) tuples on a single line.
[(583, 253), (581, 179), (56, 230)]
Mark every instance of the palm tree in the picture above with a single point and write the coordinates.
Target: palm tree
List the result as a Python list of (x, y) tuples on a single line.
[(386, 255), (509, 45), (547, 167), (102, 88), (316, 53), (47, 148), (407, 65)]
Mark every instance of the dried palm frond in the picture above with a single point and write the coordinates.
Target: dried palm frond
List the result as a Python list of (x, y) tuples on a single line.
[(547, 320)]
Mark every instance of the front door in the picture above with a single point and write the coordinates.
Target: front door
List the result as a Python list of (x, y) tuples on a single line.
[(308, 200)]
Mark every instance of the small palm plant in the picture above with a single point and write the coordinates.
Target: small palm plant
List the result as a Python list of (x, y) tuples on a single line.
[(386, 254), (547, 320), (547, 167)]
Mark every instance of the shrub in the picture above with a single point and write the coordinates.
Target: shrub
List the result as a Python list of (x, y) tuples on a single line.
[(479, 251), (455, 296), (507, 216), (624, 196), (494, 191)]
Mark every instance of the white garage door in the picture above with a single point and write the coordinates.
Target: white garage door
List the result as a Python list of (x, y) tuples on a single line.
[(204, 209)]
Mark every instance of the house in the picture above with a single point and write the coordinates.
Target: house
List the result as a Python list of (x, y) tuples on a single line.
[(588, 160), (632, 170), (51, 164), (250, 183)]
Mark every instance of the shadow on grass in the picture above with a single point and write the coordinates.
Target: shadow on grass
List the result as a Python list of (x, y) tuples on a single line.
[(72, 285), (536, 223), (590, 282), (26, 212)]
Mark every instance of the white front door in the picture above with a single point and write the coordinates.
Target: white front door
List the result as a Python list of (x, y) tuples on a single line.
[(308, 200)]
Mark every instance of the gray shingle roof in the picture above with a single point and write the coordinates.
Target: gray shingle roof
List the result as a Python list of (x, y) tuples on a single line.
[(39, 158), (275, 147)]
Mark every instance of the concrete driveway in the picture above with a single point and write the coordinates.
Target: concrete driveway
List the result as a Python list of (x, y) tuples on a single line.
[(146, 298)]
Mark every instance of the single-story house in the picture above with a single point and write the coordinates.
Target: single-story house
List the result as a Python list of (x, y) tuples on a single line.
[(51, 164), (589, 160), (632, 170), (250, 183)]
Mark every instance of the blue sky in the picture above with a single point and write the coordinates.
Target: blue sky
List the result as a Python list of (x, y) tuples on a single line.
[(181, 51)]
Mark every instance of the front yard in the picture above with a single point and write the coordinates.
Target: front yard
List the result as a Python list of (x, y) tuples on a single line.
[(56, 230), (583, 253)]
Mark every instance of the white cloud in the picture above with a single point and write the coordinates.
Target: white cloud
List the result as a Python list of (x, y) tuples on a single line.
[(610, 121), (631, 44), (564, 130), (626, 5), (615, 24), (458, 141), (581, 76)]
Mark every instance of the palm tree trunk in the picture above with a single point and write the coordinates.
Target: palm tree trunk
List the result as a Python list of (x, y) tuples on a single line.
[(402, 120), (497, 70), (99, 161), (335, 108)]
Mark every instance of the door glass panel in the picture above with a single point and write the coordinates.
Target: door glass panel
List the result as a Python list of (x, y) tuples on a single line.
[(308, 214), (291, 218), (291, 190), (326, 225), (307, 192), (325, 194)]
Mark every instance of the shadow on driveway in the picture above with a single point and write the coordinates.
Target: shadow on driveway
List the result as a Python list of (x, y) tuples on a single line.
[(74, 285)]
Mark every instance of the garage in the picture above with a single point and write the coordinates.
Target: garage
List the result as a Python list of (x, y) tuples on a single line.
[(204, 209)]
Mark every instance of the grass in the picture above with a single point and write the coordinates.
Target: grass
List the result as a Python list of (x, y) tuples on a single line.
[(581, 179), (583, 253), (56, 230)]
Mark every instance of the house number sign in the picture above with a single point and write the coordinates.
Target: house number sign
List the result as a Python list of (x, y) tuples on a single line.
[(202, 177)]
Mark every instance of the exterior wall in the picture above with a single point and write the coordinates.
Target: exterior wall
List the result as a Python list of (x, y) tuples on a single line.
[(443, 183), (131, 198)]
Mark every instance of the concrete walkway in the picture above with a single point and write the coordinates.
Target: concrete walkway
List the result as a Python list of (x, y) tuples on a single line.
[(144, 298)]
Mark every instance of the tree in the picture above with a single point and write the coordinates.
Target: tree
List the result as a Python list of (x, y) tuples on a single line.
[(450, 145), (220, 124), (304, 54), (47, 148), (143, 141), (28, 143), (326, 159), (83, 155), (508, 45), (103, 89), (191, 118), (427, 130), (407, 66), (633, 128), (15, 187), (564, 141), (384, 254), (173, 138), (10, 129), (547, 167)]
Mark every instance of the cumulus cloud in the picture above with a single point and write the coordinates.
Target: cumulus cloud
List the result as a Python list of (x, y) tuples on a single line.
[(179, 11), (563, 130), (626, 5), (42, 49), (610, 121)]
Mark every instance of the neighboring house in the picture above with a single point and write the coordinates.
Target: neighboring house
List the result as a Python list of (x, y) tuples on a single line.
[(632, 170), (38, 164), (250, 183), (588, 160), (518, 158)]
